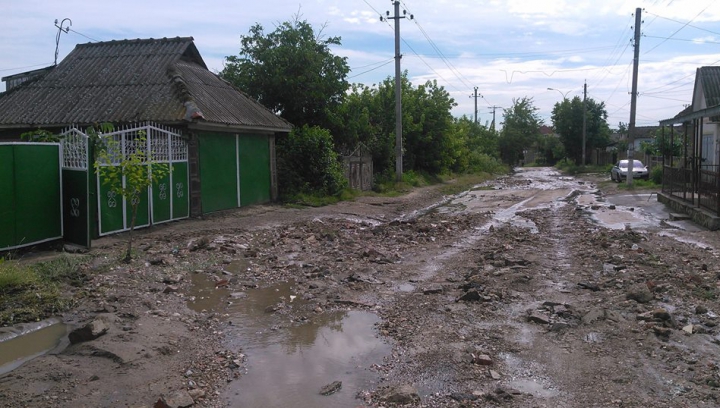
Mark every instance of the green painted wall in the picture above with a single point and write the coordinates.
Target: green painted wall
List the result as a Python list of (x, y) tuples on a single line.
[(7, 198), (254, 169)]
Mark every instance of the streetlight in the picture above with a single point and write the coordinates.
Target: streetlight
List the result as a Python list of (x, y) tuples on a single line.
[(564, 95)]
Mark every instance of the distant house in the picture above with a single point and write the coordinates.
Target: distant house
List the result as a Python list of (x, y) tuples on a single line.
[(219, 141), (692, 182)]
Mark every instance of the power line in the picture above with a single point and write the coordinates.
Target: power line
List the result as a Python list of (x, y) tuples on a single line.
[(26, 67), (79, 33), (680, 22), (370, 70), (679, 29)]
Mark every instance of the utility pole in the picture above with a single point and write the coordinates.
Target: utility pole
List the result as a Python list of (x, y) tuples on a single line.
[(584, 121), (492, 108), (633, 98), (398, 89), (476, 96)]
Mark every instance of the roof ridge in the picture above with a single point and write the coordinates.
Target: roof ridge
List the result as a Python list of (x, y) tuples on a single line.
[(138, 41)]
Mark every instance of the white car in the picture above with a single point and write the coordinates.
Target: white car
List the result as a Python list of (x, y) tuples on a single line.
[(620, 171)]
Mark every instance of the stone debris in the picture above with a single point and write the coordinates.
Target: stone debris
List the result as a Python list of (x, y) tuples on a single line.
[(331, 388), (90, 331)]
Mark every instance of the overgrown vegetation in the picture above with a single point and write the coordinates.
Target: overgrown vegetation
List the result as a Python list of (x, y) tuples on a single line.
[(32, 292)]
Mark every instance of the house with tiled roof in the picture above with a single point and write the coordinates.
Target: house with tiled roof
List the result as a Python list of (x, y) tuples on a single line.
[(219, 141), (691, 183)]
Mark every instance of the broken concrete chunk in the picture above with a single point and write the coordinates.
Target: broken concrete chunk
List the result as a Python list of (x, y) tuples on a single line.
[(90, 331), (175, 399), (331, 388)]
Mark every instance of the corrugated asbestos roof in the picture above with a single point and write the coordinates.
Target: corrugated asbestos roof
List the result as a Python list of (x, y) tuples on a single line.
[(131, 81), (710, 77)]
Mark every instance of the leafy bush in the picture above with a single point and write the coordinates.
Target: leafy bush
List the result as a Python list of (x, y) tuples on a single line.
[(656, 174), (307, 164), (484, 163)]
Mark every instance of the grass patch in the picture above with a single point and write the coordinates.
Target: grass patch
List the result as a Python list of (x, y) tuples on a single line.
[(32, 292), (705, 293), (464, 182), (637, 183)]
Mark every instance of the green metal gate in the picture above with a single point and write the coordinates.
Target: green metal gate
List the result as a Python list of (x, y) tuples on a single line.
[(30, 204), (234, 170), (77, 188), (166, 200)]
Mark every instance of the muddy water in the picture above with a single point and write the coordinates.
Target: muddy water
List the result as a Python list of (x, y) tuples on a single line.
[(28, 344), (289, 361), (205, 295)]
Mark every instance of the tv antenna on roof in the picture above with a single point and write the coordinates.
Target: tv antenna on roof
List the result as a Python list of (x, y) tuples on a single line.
[(60, 31)]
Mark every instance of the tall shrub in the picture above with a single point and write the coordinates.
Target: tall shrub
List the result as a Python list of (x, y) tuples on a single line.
[(308, 164)]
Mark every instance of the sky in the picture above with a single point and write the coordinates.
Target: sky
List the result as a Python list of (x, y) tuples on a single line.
[(508, 49)]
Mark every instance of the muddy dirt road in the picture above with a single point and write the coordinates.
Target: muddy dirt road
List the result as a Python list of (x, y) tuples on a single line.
[(532, 290)]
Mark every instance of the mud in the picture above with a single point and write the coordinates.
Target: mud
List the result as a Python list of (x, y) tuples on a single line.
[(532, 290)]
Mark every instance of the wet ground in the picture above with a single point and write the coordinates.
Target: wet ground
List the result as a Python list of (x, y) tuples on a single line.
[(531, 290)]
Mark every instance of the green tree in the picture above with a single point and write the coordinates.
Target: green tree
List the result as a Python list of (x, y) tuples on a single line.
[(291, 70), (127, 174), (521, 129), (567, 118), (427, 122)]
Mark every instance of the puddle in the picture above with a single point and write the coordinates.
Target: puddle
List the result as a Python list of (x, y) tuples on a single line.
[(405, 287), (524, 378), (204, 295), (289, 361), (26, 342)]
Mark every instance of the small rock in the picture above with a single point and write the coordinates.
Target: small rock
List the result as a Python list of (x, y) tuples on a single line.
[(170, 289), (470, 296), (593, 315), (661, 314), (399, 394), (663, 332), (175, 399), (539, 318), (90, 331), (331, 388), (588, 285), (559, 326), (433, 289), (494, 375), (463, 396), (640, 293), (700, 309), (196, 394), (482, 359)]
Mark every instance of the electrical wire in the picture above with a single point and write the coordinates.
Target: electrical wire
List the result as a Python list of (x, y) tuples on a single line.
[(79, 33), (370, 70), (26, 67), (679, 29)]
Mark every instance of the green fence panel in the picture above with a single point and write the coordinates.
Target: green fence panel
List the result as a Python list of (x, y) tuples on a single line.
[(179, 191), (110, 205), (161, 196), (37, 191), (76, 205), (254, 153), (7, 196), (218, 172)]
